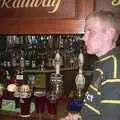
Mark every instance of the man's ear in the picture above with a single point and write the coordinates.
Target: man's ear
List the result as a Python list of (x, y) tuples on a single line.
[(111, 33)]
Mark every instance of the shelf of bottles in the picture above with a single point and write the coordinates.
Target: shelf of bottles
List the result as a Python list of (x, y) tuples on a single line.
[(37, 51), (20, 53)]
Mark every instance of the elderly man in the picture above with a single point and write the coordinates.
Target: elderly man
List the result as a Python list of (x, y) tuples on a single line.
[(102, 99)]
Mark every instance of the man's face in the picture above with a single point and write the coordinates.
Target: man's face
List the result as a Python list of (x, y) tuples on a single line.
[(94, 35)]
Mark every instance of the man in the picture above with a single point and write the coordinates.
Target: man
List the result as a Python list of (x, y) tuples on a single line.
[(102, 99)]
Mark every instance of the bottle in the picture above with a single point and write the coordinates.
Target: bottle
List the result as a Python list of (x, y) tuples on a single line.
[(13, 60), (33, 60), (27, 59), (20, 76)]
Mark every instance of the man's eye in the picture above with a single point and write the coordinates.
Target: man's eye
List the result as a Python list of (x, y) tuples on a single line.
[(92, 32)]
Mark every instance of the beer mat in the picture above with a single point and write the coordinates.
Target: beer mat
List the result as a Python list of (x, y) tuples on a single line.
[(9, 105)]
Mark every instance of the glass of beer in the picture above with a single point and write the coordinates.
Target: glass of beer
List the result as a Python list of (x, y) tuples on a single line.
[(39, 100), (52, 104), (25, 101)]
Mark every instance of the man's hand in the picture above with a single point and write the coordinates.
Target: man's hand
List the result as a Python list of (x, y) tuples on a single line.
[(72, 116)]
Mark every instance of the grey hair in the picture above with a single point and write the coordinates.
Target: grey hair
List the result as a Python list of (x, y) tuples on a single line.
[(109, 19)]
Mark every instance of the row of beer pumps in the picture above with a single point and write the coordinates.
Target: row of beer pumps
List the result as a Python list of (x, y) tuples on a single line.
[(56, 78), (23, 92)]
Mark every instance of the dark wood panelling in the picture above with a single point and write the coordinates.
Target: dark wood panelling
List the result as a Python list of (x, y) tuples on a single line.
[(65, 9), (109, 5), (70, 20)]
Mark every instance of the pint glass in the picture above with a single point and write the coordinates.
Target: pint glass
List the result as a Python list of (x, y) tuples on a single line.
[(52, 104), (25, 101), (39, 100)]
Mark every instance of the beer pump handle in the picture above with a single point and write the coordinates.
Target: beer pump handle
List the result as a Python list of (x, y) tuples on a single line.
[(57, 63), (80, 62), (80, 79)]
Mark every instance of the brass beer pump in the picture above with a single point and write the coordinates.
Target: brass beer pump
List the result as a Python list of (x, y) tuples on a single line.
[(80, 79), (56, 78)]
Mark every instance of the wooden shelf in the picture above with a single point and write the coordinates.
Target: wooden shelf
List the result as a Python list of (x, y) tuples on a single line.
[(86, 72)]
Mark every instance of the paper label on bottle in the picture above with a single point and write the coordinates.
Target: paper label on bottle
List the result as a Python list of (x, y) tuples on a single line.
[(27, 63), (33, 64), (19, 77)]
